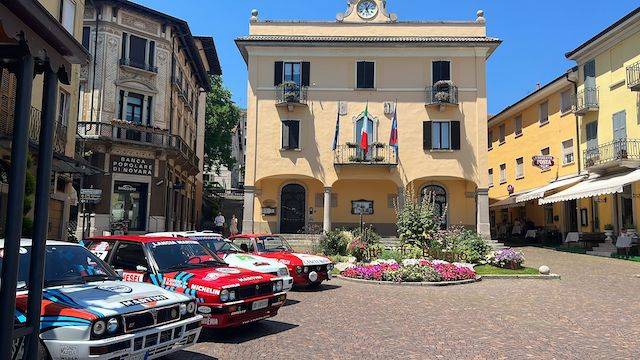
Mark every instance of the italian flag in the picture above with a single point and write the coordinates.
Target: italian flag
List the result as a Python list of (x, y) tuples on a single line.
[(364, 135)]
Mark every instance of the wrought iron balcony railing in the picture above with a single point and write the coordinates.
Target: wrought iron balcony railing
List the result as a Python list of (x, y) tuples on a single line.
[(442, 94), (289, 93), (139, 135), (621, 149), (138, 65), (586, 100), (633, 76), (377, 154)]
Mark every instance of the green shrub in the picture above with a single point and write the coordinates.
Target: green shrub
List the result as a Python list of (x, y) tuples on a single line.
[(27, 227), (413, 274), (335, 243), (459, 244), (418, 219), (412, 251), (392, 255), (372, 236)]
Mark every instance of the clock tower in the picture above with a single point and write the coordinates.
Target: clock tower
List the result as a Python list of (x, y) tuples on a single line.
[(367, 11)]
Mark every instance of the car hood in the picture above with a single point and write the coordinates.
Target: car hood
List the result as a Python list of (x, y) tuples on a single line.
[(297, 259), (104, 299), (253, 262)]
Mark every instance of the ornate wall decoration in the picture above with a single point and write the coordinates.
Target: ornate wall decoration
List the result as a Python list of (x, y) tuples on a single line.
[(140, 23)]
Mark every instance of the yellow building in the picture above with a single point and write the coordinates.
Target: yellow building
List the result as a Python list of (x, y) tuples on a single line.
[(533, 153), (303, 75)]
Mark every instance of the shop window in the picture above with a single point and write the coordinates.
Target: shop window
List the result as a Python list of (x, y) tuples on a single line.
[(129, 205)]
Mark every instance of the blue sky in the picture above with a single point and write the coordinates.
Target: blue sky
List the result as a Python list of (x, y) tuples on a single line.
[(535, 34)]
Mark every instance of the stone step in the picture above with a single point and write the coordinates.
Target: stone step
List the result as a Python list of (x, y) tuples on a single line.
[(600, 253)]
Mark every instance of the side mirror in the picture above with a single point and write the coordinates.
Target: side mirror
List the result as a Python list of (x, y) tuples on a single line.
[(120, 272), (141, 268)]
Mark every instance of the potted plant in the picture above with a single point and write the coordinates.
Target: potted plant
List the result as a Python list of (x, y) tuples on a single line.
[(377, 145), (608, 231), (378, 158), (442, 91), (352, 145), (291, 91), (630, 227)]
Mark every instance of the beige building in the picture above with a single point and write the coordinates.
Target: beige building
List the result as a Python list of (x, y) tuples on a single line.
[(142, 111), (304, 74)]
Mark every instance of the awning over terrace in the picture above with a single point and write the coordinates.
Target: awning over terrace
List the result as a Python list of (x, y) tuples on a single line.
[(540, 192), (604, 185), (509, 202)]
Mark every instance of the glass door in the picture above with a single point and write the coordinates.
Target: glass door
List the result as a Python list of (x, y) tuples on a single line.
[(129, 207)]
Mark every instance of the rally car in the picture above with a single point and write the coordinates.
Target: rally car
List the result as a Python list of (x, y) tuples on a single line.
[(226, 296), (234, 256), (307, 270), (89, 313)]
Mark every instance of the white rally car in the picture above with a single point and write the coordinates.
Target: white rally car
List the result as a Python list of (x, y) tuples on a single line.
[(234, 256), (89, 313)]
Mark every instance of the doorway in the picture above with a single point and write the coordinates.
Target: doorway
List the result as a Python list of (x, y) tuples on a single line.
[(293, 205), (129, 205), (572, 215)]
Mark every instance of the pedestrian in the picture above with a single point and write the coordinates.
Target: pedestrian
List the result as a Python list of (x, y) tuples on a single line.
[(233, 227), (218, 223)]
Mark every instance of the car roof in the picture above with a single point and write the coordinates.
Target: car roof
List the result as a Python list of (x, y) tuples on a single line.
[(246, 236), (184, 233), (27, 242), (134, 238)]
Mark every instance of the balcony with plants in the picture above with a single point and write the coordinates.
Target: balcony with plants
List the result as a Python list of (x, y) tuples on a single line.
[(442, 94), (378, 154), (290, 94)]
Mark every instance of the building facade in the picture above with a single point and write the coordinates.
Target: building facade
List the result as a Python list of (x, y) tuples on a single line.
[(63, 198), (142, 117), (231, 179), (304, 77)]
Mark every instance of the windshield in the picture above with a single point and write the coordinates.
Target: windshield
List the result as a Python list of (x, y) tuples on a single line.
[(176, 255), (217, 244), (272, 244), (64, 265)]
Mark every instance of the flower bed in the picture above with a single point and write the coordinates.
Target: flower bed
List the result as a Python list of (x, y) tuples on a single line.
[(418, 270), (506, 259)]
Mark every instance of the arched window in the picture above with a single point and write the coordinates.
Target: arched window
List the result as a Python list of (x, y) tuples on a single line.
[(440, 199), (372, 130)]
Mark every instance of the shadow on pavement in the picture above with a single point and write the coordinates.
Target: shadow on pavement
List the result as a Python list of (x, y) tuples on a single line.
[(245, 333), (188, 355), (290, 302), (321, 288)]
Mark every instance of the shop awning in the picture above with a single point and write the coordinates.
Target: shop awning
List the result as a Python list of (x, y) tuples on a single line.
[(604, 185), (540, 192), (509, 202), (66, 165)]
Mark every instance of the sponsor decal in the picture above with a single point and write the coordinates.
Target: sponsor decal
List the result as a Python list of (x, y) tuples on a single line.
[(144, 300), (212, 276), (250, 278), (312, 259), (120, 289), (174, 283), (205, 289), (133, 277), (245, 257), (284, 261), (174, 242), (228, 271), (23, 250)]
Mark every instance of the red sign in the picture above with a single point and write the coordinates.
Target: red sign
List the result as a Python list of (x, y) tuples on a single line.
[(544, 162)]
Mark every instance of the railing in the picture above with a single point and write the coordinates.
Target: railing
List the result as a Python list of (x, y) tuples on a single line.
[(377, 154), (139, 135), (633, 76), (137, 65), (586, 100), (442, 95), (620, 149), (291, 93), (6, 125)]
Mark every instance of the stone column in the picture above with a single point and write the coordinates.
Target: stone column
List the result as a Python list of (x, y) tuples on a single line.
[(482, 203), (326, 221), (247, 214)]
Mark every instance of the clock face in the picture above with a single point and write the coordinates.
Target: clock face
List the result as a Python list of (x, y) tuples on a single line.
[(367, 9)]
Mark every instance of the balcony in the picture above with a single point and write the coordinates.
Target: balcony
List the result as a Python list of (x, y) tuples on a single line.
[(290, 95), (585, 101), (122, 132), (617, 153), (377, 155), (442, 94), (633, 76), (140, 66)]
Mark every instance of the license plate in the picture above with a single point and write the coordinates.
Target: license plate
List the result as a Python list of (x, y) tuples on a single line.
[(260, 304)]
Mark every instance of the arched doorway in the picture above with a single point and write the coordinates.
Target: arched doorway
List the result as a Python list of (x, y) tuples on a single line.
[(440, 199), (293, 205)]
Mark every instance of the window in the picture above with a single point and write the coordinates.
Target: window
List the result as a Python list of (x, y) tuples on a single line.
[(567, 152), (365, 75), (565, 101), (545, 151), (129, 256), (138, 52), (244, 244), (503, 173), (293, 72), (441, 135), (441, 70), (290, 134), (548, 214), (620, 126), (490, 139), (86, 35), (544, 112), (502, 130), (63, 109), (298, 72), (589, 70), (518, 125), (439, 198), (68, 14), (592, 135), (519, 168), (490, 177), (134, 108)]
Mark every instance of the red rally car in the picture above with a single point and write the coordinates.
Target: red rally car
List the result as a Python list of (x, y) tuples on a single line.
[(226, 296), (306, 269)]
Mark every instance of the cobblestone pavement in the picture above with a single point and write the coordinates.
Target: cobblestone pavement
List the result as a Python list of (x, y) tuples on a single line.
[(592, 313)]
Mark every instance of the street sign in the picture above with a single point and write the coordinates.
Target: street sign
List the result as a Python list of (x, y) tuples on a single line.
[(90, 196)]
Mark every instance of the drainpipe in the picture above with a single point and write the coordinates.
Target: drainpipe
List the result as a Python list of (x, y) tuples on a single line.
[(579, 157)]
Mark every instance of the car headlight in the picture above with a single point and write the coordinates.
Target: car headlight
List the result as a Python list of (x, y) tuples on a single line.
[(330, 267), (112, 325), (306, 269), (99, 328), (283, 271), (278, 286), (191, 307), (299, 269), (224, 295), (183, 309)]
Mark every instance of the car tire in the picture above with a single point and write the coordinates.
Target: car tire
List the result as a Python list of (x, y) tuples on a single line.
[(43, 353)]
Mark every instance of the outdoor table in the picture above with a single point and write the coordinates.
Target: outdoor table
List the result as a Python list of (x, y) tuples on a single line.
[(572, 237), (531, 234)]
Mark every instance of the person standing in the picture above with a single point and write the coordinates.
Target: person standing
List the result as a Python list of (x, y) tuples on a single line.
[(233, 227), (218, 223)]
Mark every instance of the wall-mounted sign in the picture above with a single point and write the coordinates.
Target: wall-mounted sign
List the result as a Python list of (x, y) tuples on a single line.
[(132, 165), (362, 207), (90, 196), (544, 162), (511, 189), (268, 211), (126, 188)]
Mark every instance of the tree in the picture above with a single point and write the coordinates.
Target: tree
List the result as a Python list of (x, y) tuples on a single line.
[(221, 117)]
